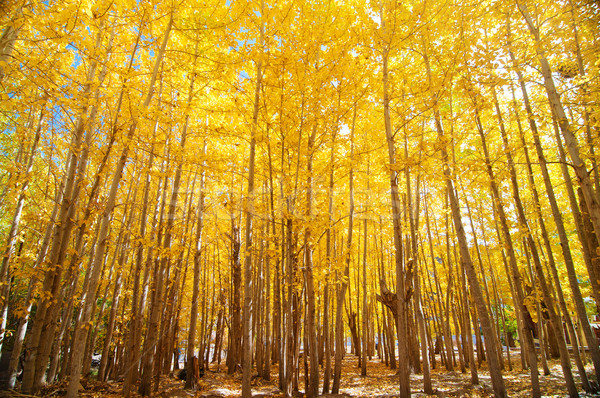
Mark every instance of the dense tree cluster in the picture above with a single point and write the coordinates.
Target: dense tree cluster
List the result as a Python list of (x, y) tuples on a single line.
[(243, 181)]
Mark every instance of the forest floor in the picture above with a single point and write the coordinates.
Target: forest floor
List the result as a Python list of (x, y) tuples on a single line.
[(380, 382)]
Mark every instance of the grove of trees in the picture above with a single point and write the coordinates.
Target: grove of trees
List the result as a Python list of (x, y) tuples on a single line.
[(258, 183)]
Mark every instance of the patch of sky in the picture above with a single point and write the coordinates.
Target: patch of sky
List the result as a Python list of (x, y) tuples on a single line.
[(345, 130), (375, 17), (76, 56)]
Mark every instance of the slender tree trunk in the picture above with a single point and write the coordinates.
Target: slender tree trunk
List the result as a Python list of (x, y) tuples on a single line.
[(578, 165), (594, 350), (190, 381), (586, 120), (363, 369), (310, 330), (507, 239), (265, 372), (24, 321), (467, 263), (340, 346), (42, 332), (246, 319), (277, 316), (580, 307), (88, 301), (427, 387), (110, 327), (403, 370), (137, 304), (529, 239), (444, 331), (329, 243), (469, 349), (258, 300), (5, 278), (7, 42), (151, 363)]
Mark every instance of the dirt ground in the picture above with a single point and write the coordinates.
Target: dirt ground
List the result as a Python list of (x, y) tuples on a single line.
[(380, 382)]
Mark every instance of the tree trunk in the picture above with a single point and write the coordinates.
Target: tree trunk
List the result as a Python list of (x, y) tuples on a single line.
[(42, 332), (310, 330), (340, 346), (247, 310), (88, 300), (7, 42), (508, 243), (579, 306), (467, 263), (5, 278), (137, 300), (190, 381), (403, 370), (570, 140)]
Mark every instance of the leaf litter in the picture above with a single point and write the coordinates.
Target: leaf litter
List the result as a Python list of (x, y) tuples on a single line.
[(380, 382)]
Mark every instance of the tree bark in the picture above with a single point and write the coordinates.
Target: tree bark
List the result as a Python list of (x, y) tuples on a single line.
[(403, 369), (340, 347), (554, 318), (190, 381), (570, 140), (42, 333), (512, 260), (247, 310), (467, 263), (580, 307), (88, 300), (5, 278)]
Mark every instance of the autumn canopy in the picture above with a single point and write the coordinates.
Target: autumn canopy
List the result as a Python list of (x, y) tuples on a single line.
[(274, 188)]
